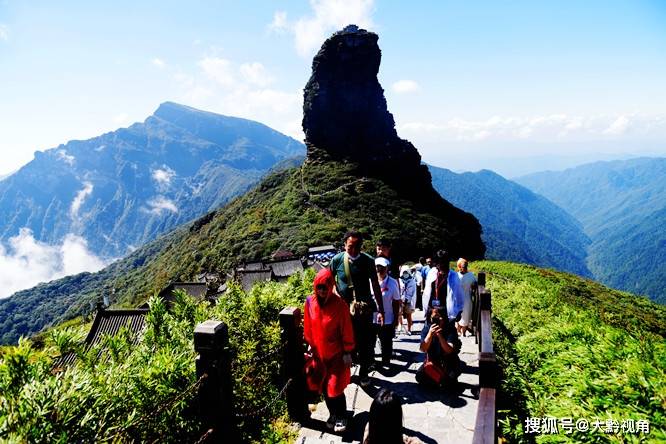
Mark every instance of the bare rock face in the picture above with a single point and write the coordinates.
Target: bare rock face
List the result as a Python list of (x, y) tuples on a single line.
[(346, 119), (345, 116)]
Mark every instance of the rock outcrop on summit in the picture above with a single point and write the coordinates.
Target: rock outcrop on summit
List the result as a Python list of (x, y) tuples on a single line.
[(345, 115), (346, 118)]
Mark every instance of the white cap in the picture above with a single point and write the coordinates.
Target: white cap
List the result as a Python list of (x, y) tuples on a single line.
[(382, 261)]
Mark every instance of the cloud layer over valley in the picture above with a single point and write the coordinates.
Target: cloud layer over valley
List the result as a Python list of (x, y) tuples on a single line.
[(25, 262)]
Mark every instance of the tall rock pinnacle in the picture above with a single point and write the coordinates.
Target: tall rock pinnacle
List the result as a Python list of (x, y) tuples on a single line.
[(345, 115)]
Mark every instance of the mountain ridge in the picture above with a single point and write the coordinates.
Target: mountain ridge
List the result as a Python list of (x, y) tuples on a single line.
[(519, 225), (619, 203), (134, 183)]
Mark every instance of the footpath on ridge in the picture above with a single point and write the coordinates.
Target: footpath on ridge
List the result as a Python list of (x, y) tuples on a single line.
[(431, 416)]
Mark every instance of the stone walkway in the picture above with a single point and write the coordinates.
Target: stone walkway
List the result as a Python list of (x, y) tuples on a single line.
[(433, 417)]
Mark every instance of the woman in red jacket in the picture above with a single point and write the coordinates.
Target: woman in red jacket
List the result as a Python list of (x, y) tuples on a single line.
[(328, 330)]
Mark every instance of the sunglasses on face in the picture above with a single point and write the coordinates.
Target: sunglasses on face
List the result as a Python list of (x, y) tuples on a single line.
[(321, 287)]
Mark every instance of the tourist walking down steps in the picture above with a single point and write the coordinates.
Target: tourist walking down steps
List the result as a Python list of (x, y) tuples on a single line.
[(356, 282), (467, 281), (391, 301), (327, 329), (443, 288), (408, 286)]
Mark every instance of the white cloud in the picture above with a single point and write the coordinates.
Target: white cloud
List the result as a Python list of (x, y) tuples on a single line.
[(68, 159), (554, 127), (163, 176), (255, 73), (158, 62), (27, 262), (78, 200), (405, 86), (327, 16), (4, 33), (160, 204), (219, 70), (121, 119), (249, 102), (242, 90), (76, 257), (618, 127), (279, 23)]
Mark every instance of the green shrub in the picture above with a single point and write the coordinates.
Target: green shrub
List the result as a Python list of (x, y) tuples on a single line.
[(121, 392), (569, 347)]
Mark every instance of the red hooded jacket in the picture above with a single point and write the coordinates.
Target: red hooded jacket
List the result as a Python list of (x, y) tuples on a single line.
[(328, 330)]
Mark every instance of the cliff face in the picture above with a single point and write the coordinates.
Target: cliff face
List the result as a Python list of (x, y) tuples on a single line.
[(345, 115), (346, 119)]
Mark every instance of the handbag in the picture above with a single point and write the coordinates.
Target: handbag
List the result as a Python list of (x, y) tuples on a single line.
[(356, 308), (433, 372), (315, 372)]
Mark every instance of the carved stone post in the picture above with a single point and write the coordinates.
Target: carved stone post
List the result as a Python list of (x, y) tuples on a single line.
[(211, 342), (293, 363)]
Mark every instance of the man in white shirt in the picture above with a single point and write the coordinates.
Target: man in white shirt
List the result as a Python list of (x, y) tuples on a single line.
[(467, 280), (443, 288), (391, 301)]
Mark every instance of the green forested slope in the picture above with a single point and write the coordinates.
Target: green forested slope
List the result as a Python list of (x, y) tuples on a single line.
[(518, 225), (570, 347), (621, 205), (122, 391)]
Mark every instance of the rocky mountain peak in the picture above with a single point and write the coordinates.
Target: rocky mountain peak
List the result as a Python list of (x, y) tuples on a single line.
[(345, 115)]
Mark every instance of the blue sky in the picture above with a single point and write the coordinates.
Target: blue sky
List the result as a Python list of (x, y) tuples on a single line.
[(471, 84)]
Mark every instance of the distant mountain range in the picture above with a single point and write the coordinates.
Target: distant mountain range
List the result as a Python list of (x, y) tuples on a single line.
[(518, 225), (622, 208), (123, 188)]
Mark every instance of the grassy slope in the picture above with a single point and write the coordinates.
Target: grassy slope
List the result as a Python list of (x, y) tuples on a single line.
[(570, 347)]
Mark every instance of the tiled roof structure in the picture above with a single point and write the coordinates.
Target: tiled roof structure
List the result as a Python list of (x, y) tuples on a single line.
[(248, 278), (253, 266), (109, 322), (285, 268), (197, 290)]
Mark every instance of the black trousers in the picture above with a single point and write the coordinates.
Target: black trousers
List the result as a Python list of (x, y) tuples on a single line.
[(336, 406), (364, 335), (386, 341)]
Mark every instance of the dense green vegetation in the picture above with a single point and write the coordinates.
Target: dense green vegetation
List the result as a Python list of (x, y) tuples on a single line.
[(290, 209), (518, 225), (569, 347), (621, 205), (145, 393)]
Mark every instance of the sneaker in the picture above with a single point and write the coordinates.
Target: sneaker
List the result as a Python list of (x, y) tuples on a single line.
[(340, 425), (330, 422), (364, 382)]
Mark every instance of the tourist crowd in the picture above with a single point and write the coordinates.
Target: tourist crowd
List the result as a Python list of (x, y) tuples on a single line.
[(358, 299)]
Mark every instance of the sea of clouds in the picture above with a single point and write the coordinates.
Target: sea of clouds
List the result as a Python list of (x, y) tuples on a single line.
[(25, 261)]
